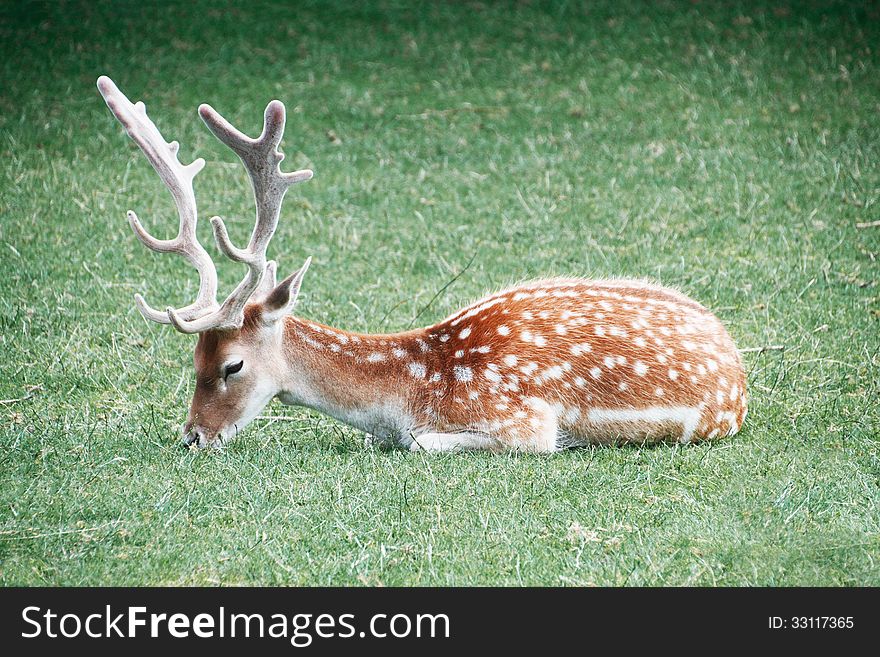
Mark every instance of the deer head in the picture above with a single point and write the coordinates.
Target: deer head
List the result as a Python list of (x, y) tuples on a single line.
[(238, 354)]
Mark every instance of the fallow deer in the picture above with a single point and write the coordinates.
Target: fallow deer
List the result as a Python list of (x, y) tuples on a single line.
[(536, 367)]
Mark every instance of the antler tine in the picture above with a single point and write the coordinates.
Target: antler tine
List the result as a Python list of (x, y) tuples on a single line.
[(262, 160), (178, 178), (269, 280)]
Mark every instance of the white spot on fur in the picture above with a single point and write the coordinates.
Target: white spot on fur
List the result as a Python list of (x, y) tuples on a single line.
[(510, 360), (640, 368), (673, 375), (375, 357), (464, 333), (503, 330), (417, 370), (580, 348), (554, 372), (492, 375), (463, 373), (595, 372)]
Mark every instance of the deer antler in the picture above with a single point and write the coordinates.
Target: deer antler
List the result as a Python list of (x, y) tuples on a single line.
[(262, 160), (178, 178)]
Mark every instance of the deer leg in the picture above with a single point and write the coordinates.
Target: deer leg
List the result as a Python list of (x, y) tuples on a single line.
[(532, 428), (536, 431), (448, 442)]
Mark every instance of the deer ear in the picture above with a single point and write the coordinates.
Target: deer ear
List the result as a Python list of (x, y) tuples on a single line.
[(282, 299)]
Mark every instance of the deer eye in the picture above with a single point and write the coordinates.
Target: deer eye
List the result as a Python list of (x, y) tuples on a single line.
[(232, 369)]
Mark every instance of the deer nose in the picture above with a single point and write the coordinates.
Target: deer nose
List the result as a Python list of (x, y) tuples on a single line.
[(201, 437), (194, 436)]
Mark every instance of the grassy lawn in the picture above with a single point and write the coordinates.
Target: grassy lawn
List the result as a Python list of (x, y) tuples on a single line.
[(730, 152)]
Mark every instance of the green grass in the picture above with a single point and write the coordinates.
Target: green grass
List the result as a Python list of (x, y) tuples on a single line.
[(728, 151)]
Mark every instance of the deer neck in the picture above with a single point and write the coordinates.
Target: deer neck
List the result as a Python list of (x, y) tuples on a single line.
[(363, 380)]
